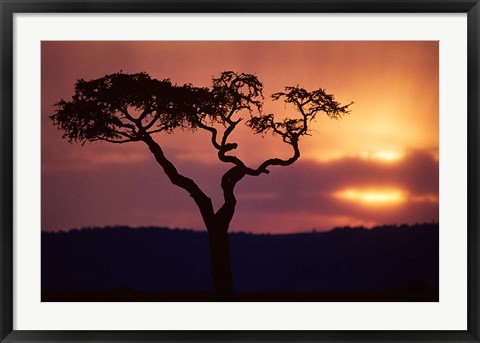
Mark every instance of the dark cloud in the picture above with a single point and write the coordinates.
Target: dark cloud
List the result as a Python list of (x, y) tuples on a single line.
[(140, 194)]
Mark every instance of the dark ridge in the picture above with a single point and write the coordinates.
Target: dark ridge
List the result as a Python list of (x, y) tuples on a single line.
[(387, 262)]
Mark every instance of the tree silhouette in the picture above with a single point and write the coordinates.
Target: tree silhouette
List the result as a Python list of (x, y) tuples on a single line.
[(122, 108)]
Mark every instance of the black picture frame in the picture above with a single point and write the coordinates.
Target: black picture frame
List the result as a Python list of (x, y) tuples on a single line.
[(10, 7)]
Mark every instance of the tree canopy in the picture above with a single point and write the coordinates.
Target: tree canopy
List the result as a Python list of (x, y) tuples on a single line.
[(121, 108)]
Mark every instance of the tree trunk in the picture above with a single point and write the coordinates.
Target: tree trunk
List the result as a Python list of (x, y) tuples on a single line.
[(220, 264)]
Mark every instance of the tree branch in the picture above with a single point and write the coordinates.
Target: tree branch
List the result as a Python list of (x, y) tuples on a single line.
[(149, 125), (213, 132), (128, 115), (203, 202), (113, 140), (262, 169)]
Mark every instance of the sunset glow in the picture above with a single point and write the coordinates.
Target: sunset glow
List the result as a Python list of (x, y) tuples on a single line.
[(383, 155), (373, 196)]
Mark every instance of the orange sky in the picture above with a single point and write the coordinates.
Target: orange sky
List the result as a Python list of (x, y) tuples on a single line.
[(378, 165)]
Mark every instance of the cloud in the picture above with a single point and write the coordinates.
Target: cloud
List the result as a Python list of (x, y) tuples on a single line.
[(310, 187), (294, 197), (416, 173)]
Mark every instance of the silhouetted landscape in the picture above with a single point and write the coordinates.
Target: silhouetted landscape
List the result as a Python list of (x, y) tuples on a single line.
[(388, 263)]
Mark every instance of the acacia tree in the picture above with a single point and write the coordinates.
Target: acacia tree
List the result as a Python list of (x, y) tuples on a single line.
[(122, 108)]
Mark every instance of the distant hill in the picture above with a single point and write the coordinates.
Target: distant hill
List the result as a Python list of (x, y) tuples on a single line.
[(155, 259)]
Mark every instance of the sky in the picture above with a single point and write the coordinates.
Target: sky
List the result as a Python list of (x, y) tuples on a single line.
[(377, 165)]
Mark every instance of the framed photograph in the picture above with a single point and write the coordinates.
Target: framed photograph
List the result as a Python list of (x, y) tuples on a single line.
[(239, 171)]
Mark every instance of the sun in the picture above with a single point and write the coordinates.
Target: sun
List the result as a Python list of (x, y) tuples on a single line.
[(373, 196), (383, 156)]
